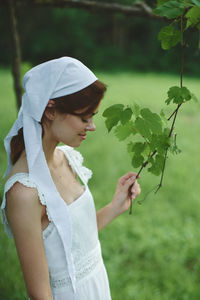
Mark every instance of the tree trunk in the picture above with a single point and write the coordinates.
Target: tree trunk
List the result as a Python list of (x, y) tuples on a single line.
[(16, 55)]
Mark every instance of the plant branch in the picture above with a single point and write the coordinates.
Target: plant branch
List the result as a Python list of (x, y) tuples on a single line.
[(175, 111), (163, 171), (174, 120), (138, 174)]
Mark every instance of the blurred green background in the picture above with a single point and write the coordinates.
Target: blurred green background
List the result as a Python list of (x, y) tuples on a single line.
[(153, 254)]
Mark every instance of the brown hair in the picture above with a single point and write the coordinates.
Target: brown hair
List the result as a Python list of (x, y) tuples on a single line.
[(87, 98)]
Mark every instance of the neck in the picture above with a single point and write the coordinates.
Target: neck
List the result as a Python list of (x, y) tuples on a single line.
[(49, 146)]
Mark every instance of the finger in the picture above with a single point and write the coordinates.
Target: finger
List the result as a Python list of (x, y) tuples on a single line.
[(135, 186), (136, 189), (129, 185), (127, 176)]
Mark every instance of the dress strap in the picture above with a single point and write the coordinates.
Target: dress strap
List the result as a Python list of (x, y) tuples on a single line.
[(75, 160)]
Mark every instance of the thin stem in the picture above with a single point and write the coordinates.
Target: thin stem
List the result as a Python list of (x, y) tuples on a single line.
[(173, 123), (142, 167), (163, 171), (174, 120), (174, 111)]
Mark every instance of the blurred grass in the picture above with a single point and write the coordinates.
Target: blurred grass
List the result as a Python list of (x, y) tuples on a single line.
[(153, 254)]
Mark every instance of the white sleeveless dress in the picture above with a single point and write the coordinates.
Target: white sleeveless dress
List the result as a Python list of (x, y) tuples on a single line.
[(91, 277)]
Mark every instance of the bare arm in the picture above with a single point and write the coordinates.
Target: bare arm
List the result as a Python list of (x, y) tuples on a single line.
[(121, 201), (24, 213)]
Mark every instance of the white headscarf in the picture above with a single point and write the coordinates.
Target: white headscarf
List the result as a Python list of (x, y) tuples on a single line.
[(52, 79)]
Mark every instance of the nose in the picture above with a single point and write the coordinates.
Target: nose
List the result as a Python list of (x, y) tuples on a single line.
[(90, 126)]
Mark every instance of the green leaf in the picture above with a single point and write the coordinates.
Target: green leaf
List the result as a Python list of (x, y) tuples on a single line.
[(170, 9), (156, 164), (161, 2), (138, 148), (186, 94), (169, 37), (166, 131), (163, 117), (130, 147), (159, 143), (111, 122), (196, 2), (146, 150), (137, 161), (153, 120), (126, 115), (113, 114), (135, 109), (143, 128), (123, 131), (193, 16), (178, 95), (113, 109)]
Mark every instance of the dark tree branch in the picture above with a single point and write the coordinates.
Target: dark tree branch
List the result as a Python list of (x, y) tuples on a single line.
[(138, 9)]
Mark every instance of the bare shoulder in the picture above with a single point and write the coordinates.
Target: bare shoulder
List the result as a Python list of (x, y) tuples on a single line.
[(19, 192), (22, 201)]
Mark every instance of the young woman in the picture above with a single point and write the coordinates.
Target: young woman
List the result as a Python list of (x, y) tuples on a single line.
[(47, 206)]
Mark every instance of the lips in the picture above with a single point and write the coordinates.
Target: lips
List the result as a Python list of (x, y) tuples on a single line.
[(83, 136)]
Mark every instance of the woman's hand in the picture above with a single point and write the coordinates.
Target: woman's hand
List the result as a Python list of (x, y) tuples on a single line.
[(126, 191)]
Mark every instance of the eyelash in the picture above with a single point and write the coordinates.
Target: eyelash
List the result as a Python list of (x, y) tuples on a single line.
[(85, 121)]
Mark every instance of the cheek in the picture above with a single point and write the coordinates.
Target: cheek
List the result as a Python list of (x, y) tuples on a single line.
[(74, 123), (57, 128)]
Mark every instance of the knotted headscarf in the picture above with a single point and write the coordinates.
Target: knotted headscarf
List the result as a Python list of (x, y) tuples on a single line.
[(52, 79)]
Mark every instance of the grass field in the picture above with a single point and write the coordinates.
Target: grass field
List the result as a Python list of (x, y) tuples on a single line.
[(153, 254)]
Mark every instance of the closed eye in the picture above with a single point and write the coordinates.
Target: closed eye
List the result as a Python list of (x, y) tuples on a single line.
[(89, 118), (85, 120)]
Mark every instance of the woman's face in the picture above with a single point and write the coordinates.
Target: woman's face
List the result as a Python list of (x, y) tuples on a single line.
[(71, 129)]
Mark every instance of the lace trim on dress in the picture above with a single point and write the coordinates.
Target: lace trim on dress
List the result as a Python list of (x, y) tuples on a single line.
[(84, 267), (23, 178), (76, 162)]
